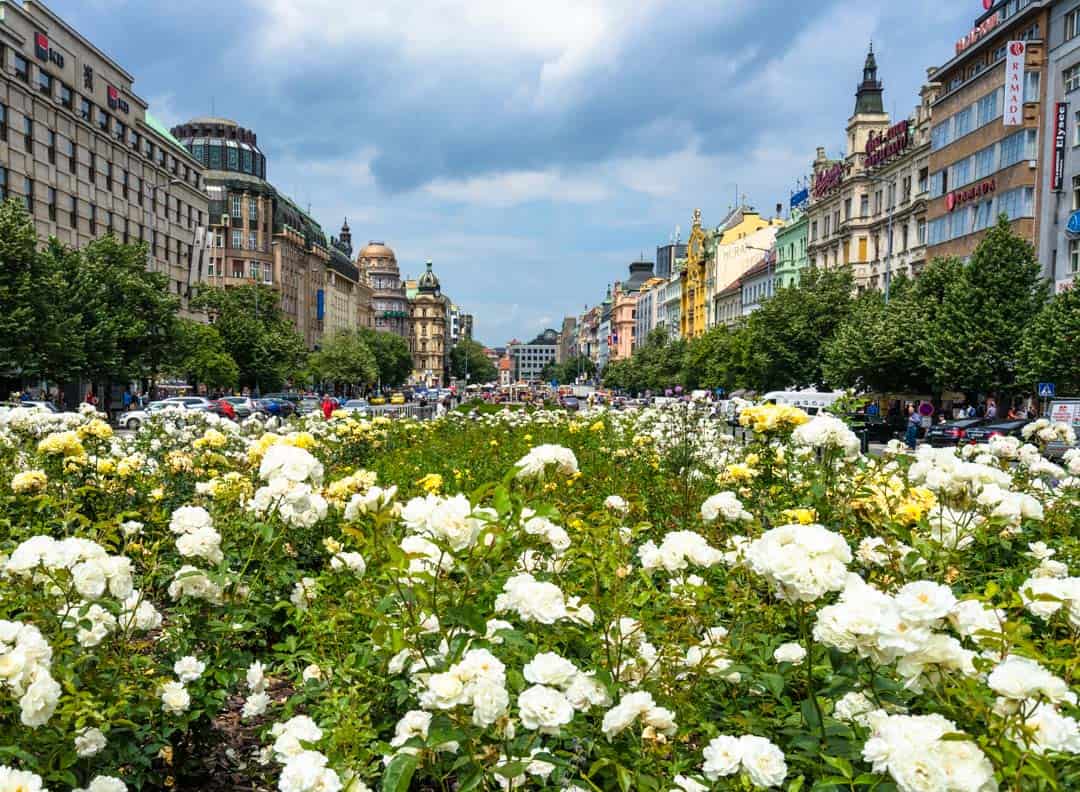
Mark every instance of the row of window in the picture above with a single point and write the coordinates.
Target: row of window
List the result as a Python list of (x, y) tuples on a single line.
[(256, 270), (981, 64), (1014, 204), (975, 116), (63, 152), (229, 156), (62, 94), (1015, 148)]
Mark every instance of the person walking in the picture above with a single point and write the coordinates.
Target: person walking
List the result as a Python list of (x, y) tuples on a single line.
[(914, 421), (327, 406)]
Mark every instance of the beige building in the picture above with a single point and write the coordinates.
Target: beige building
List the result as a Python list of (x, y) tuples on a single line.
[(378, 264), (731, 260), (81, 150), (428, 339)]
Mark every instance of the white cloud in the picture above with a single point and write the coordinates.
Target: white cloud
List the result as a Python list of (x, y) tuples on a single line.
[(517, 187)]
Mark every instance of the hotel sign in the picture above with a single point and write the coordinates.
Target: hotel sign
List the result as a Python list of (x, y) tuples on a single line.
[(1014, 84), (1061, 135), (116, 101), (978, 32), (46, 53), (881, 148), (958, 198), (829, 179)]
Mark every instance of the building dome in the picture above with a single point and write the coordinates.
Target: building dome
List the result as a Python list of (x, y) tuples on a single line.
[(428, 282), (377, 250)]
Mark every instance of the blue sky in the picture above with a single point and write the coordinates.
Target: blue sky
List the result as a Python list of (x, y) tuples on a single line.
[(530, 149)]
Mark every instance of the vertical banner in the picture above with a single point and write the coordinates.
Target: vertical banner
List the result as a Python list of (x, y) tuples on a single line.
[(1014, 84), (1061, 134)]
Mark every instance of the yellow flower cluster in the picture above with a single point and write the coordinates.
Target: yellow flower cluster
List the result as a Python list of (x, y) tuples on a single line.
[(432, 482), (736, 472), (66, 444), (360, 481), (29, 482), (918, 502), (770, 418), (212, 438), (230, 487), (800, 516), (179, 462), (95, 428)]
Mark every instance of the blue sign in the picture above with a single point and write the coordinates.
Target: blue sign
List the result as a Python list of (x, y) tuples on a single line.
[(320, 305), (799, 198), (1073, 226), (1047, 390)]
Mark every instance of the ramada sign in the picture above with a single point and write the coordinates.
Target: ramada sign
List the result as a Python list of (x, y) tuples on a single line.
[(960, 197), (883, 147)]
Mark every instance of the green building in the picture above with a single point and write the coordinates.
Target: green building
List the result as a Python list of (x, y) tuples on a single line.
[(791, 250)]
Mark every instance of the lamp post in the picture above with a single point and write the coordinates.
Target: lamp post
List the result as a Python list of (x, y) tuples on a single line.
[(769, 260), (889, 247)]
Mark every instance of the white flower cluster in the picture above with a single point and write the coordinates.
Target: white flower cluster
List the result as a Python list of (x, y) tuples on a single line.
[(944, 473), (1072, 461), (726, 505), (1046, 431), (535, 463), (711, 655), (450, 521), (374, 501), (677, 551), (554, 535), (257, 700), (102, 783), (761, 760), (196, 537), (902, 628), (192, 582), (12, 780), (659, 721), (92, 570), (827, 432), (804, 562), (538, 601), (25, 663), (910, 748), (478, 682), (89, 741), (290, 473), (291, 463), (304, 769)]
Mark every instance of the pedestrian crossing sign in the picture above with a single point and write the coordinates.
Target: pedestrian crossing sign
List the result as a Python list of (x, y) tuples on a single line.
[(1046, 390)]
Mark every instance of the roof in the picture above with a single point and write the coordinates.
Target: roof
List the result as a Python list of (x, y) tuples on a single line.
[(160, 128), (760, 268), (732, 289), (213, 120)]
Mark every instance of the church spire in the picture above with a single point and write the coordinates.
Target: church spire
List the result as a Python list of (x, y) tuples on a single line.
[(346, 236), (868, 97)]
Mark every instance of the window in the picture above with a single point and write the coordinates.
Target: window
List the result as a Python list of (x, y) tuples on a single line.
[(139, 189), (3, 184), (108, 176), (937, 231), (103, 120), (92, 220), (825, 232), (22, 68), (91, 169), (28, 134), (985, 162), (988, 107), (215, 157), (961, 222), (864, 205), (1018, 147), (66, 97), (1076, 193), (73, 159), (133, 139), (234, 158), (28, 194), (877, 202), (236, 207), (1074, 255), (941, 134), (960, 173), (119, 130), (52, 204), (963, 122), (924, 178), (1072, 24), (253, 210), (920, 232), (253, 243), (1071, 77), (984, 214), (903, 237), (45, 82), (124, 176), (905, 190), (73, 212), (1031, 86), (847, 208), (51, 137), (3, 122), (237, 239), (86, 110)]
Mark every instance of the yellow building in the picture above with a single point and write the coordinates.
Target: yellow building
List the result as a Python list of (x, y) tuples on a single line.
[(693, 304)]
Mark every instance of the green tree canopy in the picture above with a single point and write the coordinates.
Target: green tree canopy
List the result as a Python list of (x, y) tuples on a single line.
[(480, 368), (1050, 347), (392, 356), (344, 358), (569, 371), (199, 355)]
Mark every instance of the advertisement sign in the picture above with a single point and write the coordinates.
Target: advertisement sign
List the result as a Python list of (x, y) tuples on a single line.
[(45, 52), (1064, 413), (320, 304), (978, 32), (960, 197), (829, 179), (880, 148), (116, 101), (1061, 134), (1014, 83), (800, 198)]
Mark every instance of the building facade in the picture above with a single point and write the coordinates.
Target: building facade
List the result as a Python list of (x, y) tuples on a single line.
[(692, 309), (530, 360), (86, 157), (389, 303), (428, 340), (985, 159), (791, 250), (567, 340), (666, 256), (669, 302), (1059, 209), (757, 284)]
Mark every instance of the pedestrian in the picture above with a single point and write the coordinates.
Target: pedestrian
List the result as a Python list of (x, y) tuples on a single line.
[(1013, 414), (327, 406), (914, 421), (125, 400), (91, 399), (971, 411), (991, 409)]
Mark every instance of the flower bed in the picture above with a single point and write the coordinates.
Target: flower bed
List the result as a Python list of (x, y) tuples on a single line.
[(600, 601)]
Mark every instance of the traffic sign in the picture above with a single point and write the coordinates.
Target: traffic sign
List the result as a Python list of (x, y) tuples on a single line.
[(1046, 390)]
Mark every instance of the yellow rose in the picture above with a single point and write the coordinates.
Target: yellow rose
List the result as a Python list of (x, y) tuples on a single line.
[(29, 482), (432, 482)]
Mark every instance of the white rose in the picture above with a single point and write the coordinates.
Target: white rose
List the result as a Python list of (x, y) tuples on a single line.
[(763, 761), (188, 669), (789, 653), (723, 756), (548, 668), (544, 709), (175, 699), (89, 742)]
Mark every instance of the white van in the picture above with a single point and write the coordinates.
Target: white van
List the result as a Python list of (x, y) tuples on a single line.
[(811, 402)]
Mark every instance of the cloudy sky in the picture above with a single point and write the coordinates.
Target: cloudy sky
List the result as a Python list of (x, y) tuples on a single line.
[(530, 149)]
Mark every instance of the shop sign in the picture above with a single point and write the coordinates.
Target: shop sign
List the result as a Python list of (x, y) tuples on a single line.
[(960, 197), (1061, 134), (829, 179), (882, 147), (116, 101), (978, 32), (46, 53), (1014, 84)]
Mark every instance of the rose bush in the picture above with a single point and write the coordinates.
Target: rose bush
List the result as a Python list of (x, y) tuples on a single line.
[(599, 601)]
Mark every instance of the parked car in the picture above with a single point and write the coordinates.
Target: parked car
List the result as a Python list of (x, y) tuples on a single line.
[(983, 433), (397, 398), (136, 418), (356, 405), (189, 402), (243, 406), (309, 404), (294, 400), (571, 403), (278, 408), (378, 401), (223, 408), (952, 433)]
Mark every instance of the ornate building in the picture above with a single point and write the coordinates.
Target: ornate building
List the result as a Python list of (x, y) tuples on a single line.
[(428, 311), (693, 307), (390, 307), (365, 315)]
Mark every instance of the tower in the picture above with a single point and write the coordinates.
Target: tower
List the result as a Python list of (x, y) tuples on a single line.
[(868, 96), (346, 237)]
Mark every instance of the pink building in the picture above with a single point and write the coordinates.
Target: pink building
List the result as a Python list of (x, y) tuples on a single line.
[(624, 302)]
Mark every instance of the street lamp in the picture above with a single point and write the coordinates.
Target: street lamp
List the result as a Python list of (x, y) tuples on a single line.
[(770, 263), (889, 249)]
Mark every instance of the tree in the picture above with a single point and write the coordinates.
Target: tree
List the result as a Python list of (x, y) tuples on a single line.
[(263, 342), (1050, 348), (344, 358), (717, 359), (200, 356), (569, 371), (480, 368), (973, 340), (787, 333), (392, 356)]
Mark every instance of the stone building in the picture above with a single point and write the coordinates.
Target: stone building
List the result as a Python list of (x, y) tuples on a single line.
[(389, 304), (84, 154), (428, 337)]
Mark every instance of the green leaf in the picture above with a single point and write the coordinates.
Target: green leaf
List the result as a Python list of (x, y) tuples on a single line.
[(399, 773)]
